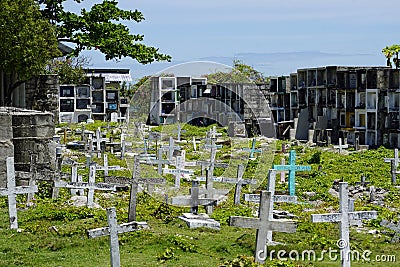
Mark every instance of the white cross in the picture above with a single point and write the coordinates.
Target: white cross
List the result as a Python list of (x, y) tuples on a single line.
[(11, 192), (113, 230), (90, 186), (134, 182), (276, 198), (344, 217), (263, 224)]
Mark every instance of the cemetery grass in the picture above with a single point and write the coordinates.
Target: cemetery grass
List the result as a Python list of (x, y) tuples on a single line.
[(55, 234)]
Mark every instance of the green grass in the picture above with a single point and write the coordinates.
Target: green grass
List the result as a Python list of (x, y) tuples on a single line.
[(169, 242)]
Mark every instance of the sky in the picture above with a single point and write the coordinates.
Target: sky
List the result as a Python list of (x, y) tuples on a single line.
[(275, 37)]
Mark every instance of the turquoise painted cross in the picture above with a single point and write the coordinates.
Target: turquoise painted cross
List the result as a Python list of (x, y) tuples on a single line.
[(292, 168), (252, 149)]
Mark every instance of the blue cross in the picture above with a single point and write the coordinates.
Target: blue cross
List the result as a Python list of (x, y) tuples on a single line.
[(292, 168), (252, 149)]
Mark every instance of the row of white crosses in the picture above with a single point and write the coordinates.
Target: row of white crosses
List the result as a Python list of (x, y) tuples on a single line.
[(265, 223)]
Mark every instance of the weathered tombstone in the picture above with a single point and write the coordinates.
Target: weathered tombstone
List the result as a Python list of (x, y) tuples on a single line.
[(292, 168), (393, 227), (159, 161), (344, 217), (123, 146), (134, 182), (12, 191), (113, 230), (253, 149), (263, 224), (194, 144), (276, 198), (91, 186), (283, 173)]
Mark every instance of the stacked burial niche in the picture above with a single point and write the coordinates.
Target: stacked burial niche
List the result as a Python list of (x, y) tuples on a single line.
[(22, 134)]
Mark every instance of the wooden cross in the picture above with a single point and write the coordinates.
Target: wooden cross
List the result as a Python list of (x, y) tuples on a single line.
[(134, 183), (252, 149), (263, 224), (12, 191), (90, 186), (113, 230), (170, 148), (292, 168), (194, 201), (276, 198), (344, 217)]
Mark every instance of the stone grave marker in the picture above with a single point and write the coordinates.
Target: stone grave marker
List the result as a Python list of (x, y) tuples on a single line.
[(12, 191), (344, 217), (263, 224), (134, 183), (276, 198), (91, 186), (253, 149), (113, 230), (292, 168)]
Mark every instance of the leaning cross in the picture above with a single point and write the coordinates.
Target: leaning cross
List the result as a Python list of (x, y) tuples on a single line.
[(276, 198), (90, 186), (252, 149), (263, 224), (344, 217), (134, 182), (113, 230), (292, 168), (11, 192)]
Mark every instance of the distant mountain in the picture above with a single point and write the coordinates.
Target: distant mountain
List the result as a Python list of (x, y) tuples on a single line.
[(270, 64)]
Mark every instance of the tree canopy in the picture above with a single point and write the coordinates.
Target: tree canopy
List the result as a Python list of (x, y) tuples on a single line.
[(392, 53), (240, 73), (100, 28), (28, 41)]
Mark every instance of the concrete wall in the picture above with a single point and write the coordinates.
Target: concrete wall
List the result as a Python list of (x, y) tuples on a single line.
[(23, 133)]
